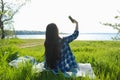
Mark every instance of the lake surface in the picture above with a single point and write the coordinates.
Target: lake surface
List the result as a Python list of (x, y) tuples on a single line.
[(82, 36)]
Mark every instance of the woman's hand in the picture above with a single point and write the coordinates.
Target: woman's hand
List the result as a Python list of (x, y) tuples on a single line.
[(74, 21)]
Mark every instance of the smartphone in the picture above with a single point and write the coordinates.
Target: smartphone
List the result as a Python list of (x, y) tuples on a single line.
[(71, 19)]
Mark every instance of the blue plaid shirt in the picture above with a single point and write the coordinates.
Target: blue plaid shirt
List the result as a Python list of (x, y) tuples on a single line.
[(67, 59)]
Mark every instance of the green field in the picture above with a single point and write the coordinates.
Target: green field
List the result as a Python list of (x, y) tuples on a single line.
[(104, 57)]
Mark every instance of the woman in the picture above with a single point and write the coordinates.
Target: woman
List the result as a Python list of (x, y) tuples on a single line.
[(58, 55)]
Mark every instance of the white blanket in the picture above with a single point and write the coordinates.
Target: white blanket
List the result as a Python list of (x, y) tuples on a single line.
[(84, 69)]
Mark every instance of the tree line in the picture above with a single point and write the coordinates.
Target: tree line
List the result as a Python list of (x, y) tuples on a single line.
[(13, 34), (24, 32)]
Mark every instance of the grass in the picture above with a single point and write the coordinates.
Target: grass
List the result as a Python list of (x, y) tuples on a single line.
[(104, 56)]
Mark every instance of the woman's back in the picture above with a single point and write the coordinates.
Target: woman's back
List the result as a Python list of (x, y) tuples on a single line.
[(58, 55)]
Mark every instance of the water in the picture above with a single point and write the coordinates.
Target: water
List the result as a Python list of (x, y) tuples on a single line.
[(82, 36)]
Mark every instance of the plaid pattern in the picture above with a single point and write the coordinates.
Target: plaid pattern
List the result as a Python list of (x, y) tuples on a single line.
[(67, 60)]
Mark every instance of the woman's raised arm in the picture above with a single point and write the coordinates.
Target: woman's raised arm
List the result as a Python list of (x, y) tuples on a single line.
[(74, 21)]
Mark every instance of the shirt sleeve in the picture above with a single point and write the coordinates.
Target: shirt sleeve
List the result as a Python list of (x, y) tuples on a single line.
[(70, 38)]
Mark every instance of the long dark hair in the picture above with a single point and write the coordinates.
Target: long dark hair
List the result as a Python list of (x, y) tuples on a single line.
[(52, 46)]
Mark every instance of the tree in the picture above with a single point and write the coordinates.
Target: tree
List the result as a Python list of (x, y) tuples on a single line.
[(115, 26), (8, 8)]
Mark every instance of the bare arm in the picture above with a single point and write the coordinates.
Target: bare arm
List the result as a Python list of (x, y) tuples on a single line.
[(74, 21), (76, 28)]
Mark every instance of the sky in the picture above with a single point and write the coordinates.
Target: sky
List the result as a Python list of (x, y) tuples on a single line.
[(37, 14)]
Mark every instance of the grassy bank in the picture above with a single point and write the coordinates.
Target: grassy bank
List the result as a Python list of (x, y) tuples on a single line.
[(104, 57)]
